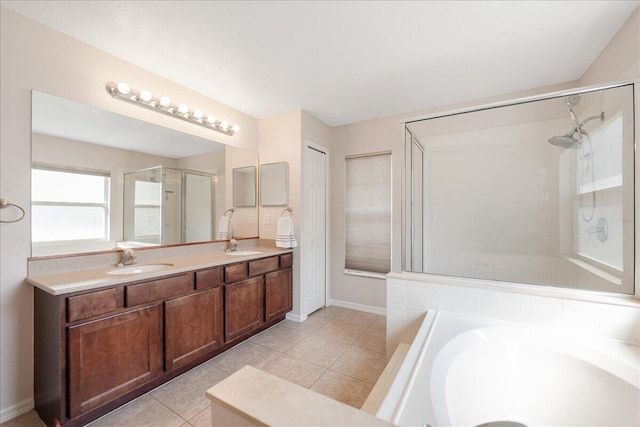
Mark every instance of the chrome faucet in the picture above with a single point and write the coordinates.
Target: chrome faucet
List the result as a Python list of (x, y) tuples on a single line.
[(233, 245), (128, 258)]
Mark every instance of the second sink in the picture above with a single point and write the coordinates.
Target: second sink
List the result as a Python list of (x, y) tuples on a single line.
[(243, 253), (137, 269)]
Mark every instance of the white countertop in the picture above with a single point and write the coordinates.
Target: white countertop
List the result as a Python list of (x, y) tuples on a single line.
[(82, 280)]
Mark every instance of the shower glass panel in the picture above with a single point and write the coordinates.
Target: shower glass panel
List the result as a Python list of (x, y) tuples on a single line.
[(538, 192), (164, 206), (198, 206)]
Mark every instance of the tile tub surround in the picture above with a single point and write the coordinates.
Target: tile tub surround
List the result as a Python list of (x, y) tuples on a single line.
[(411, 295), (297, 352)]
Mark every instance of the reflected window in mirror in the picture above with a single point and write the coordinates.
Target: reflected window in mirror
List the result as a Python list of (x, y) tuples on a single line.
[(69, 205), (274, 183), (244, 187)]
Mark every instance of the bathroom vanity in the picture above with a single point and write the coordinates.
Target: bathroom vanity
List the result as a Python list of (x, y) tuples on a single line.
[(103, 345)]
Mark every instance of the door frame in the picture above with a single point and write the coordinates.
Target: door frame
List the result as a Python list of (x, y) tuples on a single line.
[(307, 144)]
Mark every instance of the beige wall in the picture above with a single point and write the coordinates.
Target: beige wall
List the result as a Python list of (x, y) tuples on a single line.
[(280, 142), (282, 139), (620, 59), (36, 57)]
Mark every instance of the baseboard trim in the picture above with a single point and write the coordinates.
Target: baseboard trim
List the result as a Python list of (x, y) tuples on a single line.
[(296, 317), (359, 307), (16, 410)]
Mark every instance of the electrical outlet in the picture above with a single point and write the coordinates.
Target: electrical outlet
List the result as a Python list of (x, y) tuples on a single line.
[(250, 219), (266, 220)]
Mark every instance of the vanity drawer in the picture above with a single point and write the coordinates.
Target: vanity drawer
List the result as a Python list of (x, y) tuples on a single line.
[(263, 265), (158, 289), (90, 305), (286, 260), (235, 273), (209, 278)]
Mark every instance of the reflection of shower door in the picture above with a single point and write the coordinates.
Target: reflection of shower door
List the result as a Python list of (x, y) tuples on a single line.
[(172, 206), (198, 206), (417, 217), (414, 255)]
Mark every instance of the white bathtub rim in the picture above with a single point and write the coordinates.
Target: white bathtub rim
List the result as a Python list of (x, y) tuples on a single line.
[(417, 352), (590, 352), (394, 404), (398, 389)]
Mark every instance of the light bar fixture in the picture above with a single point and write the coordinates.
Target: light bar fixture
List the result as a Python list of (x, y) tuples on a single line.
[(163, 104)]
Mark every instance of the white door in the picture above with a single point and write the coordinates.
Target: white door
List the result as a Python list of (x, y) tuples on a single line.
[(314, 191)]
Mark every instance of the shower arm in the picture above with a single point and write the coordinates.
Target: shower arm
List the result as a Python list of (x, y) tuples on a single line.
[(588, 119), (579, 129)]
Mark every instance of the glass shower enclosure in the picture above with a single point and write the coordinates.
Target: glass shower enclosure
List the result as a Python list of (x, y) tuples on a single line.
[(538, 191), (164, 205)]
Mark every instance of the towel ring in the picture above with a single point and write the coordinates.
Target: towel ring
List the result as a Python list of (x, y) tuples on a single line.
[(290, 210), (229, 211), (4, 203)]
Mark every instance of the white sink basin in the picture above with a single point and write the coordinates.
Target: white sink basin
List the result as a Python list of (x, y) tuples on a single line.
[(137, 269), (243, 253)]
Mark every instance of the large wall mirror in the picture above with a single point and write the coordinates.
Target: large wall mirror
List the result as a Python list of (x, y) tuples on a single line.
[(101, 181)]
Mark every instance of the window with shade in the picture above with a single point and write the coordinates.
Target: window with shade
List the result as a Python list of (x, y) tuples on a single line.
[(368, 214), (69, 205)]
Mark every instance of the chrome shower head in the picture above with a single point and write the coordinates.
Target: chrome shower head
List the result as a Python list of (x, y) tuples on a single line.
[(564, 141)]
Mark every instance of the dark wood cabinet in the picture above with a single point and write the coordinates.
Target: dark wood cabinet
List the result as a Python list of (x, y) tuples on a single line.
[(243, 307), (193, 326), (111, 356), (96, 350), (278, 294)]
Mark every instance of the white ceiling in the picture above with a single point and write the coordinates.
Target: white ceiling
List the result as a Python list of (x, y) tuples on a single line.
[(345, 61)]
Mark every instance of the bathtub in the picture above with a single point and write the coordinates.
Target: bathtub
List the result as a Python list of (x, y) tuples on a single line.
[(465, 371)]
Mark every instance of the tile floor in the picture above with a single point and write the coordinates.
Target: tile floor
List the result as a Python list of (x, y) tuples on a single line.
[(336, 352)]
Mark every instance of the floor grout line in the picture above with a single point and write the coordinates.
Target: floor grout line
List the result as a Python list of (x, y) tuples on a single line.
[(174, 412)]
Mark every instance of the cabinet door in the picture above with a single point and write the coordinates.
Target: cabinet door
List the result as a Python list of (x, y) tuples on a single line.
[(278, 298), (193, 326), (112, 356), (243, 307)]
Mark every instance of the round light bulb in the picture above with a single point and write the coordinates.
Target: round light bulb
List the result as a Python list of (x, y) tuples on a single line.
[(165, 101), (235, 128), (224, 125), (146, 96), (183, 109), (123, 88), (211, 119), (197, 114)]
